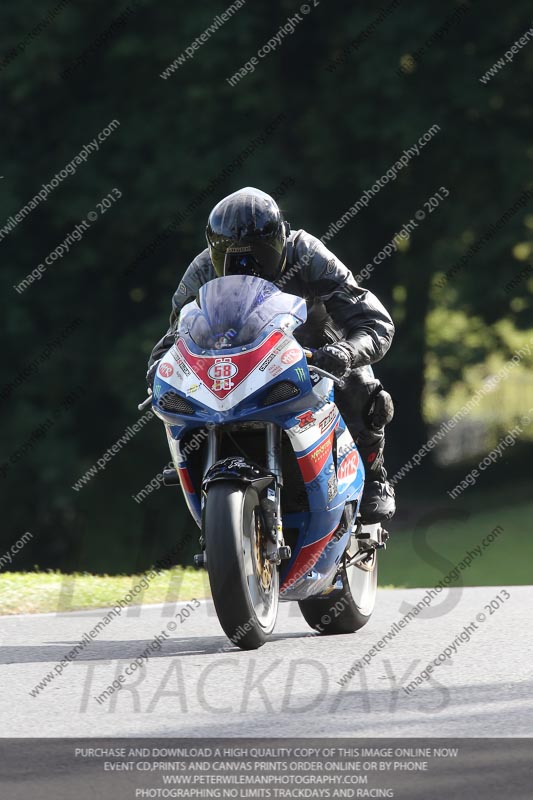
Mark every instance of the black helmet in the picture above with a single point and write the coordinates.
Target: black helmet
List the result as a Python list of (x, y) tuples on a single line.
[(247, 235)]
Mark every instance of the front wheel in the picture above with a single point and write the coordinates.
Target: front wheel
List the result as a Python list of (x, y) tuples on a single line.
[(348, 609), (244, 584)]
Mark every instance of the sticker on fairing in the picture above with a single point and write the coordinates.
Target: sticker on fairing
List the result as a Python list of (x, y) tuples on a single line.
[(347, 469), (166, 369), (221, 373), (291, 356)]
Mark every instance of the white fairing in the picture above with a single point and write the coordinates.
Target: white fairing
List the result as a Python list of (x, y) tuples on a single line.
[(180, 375), (325, 419)]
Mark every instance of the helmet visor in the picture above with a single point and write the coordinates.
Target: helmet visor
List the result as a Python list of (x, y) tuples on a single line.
[(263, 259)]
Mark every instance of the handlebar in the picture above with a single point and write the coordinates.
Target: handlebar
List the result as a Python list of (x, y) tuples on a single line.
[(337, 381), (146, 402)]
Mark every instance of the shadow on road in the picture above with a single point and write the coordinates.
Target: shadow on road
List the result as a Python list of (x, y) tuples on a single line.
[(54, 652)]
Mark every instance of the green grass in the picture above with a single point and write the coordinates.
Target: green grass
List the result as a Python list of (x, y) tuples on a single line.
[(417, 557), (33, 592), (414, 558)]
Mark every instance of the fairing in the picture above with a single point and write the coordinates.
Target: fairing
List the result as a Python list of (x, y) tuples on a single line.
[(227, 384)]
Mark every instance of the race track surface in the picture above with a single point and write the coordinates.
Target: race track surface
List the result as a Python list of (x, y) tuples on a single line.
[(200, 685)]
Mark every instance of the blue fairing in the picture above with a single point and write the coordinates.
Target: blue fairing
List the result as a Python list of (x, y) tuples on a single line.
[(234, 318)]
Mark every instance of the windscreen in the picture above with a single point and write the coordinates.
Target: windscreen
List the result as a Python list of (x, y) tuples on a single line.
[(233, 310)]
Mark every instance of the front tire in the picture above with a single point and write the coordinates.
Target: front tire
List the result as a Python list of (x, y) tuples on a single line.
[(244, 585), (348, 609)]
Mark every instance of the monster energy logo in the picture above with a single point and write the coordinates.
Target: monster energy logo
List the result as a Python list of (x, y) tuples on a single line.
[(300, 374)]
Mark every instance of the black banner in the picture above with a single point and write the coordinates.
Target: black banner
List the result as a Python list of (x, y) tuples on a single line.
[(124, 769)]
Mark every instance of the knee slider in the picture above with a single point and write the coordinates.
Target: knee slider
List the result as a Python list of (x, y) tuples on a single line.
[(380, 410)]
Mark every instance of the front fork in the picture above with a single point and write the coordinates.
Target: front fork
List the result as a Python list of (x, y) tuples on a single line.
[(275, 548), (211, 454)]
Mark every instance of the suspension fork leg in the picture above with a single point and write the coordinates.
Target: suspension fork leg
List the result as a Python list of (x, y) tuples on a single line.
[(273, 462), (212, 449), (273, 446), (210, 457)]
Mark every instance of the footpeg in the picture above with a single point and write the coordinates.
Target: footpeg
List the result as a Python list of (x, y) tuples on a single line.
[(372, 535), (285, 552), (199, 561), (171, 477), (382, 538)]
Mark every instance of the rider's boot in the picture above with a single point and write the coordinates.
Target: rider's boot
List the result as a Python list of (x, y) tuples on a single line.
[(378, 502)]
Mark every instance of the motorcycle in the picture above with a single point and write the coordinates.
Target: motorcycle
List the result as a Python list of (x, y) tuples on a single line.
[(266, 464)]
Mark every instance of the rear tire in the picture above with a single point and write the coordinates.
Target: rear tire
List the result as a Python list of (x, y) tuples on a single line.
[(244, 585), (348, 609)]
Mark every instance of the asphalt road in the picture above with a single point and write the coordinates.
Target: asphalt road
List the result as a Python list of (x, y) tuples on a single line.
[(198, 684)]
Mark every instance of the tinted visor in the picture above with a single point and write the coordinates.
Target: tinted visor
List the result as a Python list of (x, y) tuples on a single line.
[(262, 259)]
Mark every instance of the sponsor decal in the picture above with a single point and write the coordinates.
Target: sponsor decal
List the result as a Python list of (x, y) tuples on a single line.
[(315, 378), (318, 454), (330, 267), (266, 362), (312, 463), (179, 361), (274, 370), (306, 420), (326, 422), (290, 356), (300, 374), (221, 373), (332, 487), (348, 467), (235, 463), (166, 369), (194, 388), (182, 289), (271, 356)]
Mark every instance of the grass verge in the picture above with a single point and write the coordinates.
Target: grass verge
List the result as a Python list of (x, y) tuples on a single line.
[(38, 592), (420, 555)]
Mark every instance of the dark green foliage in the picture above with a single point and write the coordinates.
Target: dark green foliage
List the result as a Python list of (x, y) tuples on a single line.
[(343, 129)]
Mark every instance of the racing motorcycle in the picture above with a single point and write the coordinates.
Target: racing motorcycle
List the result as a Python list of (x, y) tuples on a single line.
[(267, 466)]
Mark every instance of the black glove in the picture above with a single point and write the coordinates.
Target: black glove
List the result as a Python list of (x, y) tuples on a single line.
[(338, 359), (150, 375)]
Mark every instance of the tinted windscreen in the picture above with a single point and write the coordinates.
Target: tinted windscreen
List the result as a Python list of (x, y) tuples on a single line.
[(234, 310)]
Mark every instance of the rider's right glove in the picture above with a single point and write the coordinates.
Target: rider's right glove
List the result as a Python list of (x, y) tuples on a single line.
[(150, 375), (338, 359)]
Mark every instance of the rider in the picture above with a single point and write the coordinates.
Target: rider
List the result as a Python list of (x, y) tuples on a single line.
[(247, 235)]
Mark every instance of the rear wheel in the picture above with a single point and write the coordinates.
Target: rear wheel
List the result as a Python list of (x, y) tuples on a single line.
[(244, 584), (348, 609)]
